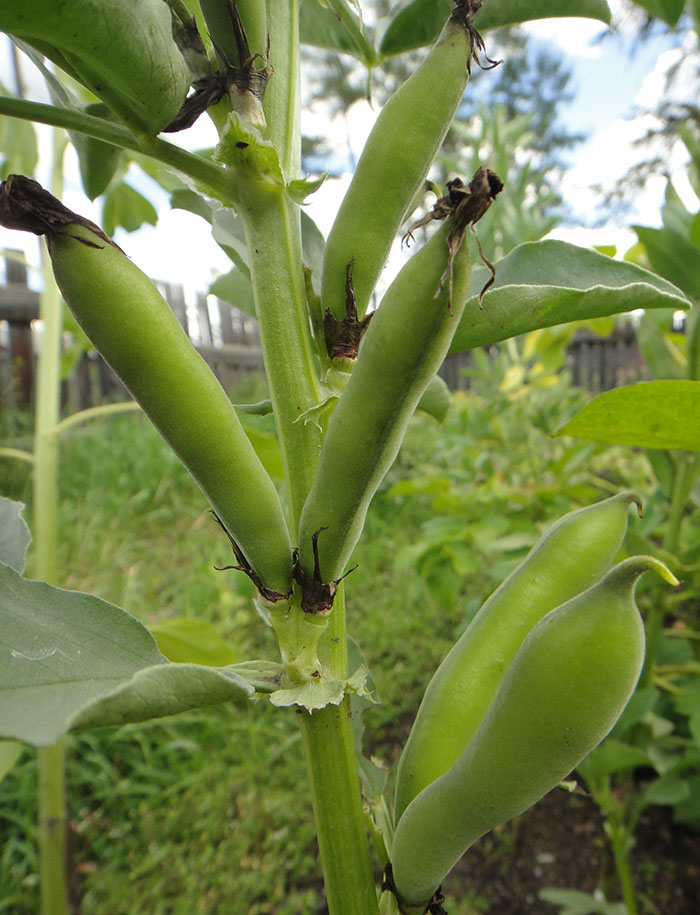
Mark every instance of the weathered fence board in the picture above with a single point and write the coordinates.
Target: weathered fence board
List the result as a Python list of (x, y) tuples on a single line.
[(226, 337)]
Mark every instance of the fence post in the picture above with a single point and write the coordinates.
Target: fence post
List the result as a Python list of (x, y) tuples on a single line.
[(21, 347)]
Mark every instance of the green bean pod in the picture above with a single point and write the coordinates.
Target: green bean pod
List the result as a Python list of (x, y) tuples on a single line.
[(571, 556), (566, 688), (394, 163), (123, 52), (133, 327), (402, 350)]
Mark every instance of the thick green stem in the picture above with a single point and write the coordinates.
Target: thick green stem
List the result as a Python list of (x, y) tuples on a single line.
[(619, 833), (52, 830), (52, 811), (620, 841), (282, 102), (273, 236), (342, 838)]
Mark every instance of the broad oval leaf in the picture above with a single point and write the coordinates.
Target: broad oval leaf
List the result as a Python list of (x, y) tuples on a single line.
[(673, 256), (669, 11), (651, 414), (124, 206), (419, 23), (71, 660), (188, 640), (543, 283), (235, 287), (436, 399), (14, 534), (335, 26)]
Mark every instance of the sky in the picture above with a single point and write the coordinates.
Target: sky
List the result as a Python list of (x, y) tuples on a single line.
[(608, 84)]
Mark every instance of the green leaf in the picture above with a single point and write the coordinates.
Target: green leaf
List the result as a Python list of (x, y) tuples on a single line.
[(673, 256), (263, 676), (10, 752), (574, 902), (266, 447), (98, 161), (19, 150), (669, 11), (611, 757), (651, 414), (301, 188), (261, 408), (125, 207), (543, 283), (668, 789), (186, 199), (227, 231), (419, 23), (335, 29), (235, 287), (660, 354), (313, 244), (14, 534), (436, 399), (187, 640), (72, 660)]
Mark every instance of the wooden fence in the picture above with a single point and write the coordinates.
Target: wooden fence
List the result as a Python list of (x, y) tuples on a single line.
[(228, 340), (226, 337)]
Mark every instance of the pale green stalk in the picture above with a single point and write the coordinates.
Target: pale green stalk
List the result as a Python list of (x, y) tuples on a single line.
[(282, 103), (51, 760), (272, 226)]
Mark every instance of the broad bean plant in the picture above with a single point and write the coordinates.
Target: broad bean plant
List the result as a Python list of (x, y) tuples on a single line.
[(548, 664)]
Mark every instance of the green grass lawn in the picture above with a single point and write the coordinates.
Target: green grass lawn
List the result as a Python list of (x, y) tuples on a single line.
[(209, 811)]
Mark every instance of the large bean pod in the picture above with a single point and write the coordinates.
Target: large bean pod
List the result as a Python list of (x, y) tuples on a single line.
[(395, 161), (566, 688), (135, 330), (123, 52), (402, 350), (573, 555)]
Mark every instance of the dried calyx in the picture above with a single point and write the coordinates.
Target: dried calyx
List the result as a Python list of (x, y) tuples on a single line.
[(343, 337), (464, 205), (464, 12), (317, 596), (25, 205), (244, 81)]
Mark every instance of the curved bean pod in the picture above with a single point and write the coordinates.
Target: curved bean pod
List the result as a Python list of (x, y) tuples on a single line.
[(566, 688), (394, 163), (571, 556), (402, 350), (136, 331), (124, 52)]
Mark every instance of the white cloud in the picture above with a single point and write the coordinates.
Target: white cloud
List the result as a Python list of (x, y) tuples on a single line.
[(575, 37)]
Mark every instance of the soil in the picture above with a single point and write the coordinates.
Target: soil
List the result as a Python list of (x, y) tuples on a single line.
[(560, 843)]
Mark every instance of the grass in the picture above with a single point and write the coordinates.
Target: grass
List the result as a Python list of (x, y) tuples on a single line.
[(208, 812)]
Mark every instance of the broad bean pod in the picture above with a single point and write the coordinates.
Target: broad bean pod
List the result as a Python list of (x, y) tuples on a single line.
[(570, 557), (402, 350), (133, 327), (566, 688), (123, 52), (394, 163)]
